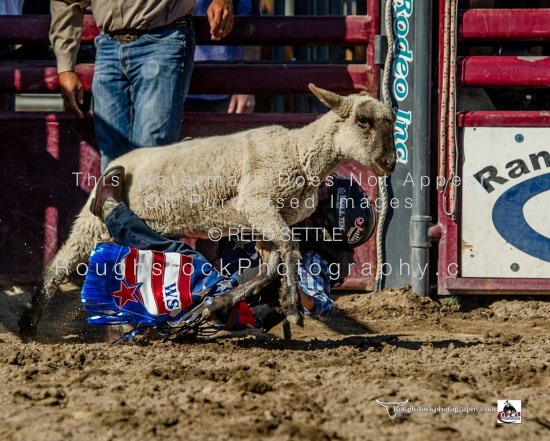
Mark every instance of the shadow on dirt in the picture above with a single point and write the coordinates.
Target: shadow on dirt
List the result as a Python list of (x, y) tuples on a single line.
[(362, 343), (344, 324)]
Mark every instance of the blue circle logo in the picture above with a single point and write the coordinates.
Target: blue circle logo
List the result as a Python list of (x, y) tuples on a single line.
[(510, 222)]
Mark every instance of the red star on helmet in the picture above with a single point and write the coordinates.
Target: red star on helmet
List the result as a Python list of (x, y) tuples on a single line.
[(126, 293)]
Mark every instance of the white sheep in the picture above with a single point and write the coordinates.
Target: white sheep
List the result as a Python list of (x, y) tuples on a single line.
[(261, 180)]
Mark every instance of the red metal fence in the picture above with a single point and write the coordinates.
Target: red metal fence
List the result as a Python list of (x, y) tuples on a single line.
[(487, 27), (40, 153)]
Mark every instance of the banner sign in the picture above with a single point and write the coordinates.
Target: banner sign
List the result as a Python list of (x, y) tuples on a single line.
[(505, 202)]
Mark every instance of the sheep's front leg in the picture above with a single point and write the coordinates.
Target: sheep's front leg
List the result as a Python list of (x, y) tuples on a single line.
[(283, 261), (290, 298), (271, 225), (286, 267)]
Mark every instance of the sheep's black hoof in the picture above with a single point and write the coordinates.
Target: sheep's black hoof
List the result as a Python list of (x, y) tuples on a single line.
[(287, 333), (294, 317), (27, 326)]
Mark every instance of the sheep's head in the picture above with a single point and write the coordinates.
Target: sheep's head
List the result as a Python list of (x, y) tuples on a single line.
[(365, 132)]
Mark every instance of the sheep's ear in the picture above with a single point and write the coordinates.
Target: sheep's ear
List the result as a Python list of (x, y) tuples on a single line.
[(332, 100)]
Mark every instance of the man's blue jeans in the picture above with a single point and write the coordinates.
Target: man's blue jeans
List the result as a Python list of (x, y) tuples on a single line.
[(139, 89)]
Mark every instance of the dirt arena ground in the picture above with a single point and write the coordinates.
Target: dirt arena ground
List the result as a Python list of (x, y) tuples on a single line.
[(322, 385)]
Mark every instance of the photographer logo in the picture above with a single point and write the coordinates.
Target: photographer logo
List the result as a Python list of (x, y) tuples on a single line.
[(392, 407), (509, 412)]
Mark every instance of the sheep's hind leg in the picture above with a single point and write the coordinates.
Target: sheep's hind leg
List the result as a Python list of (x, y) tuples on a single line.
[(87, 231)]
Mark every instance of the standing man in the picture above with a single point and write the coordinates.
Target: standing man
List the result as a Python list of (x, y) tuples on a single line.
[(143, 65), (240, 103)]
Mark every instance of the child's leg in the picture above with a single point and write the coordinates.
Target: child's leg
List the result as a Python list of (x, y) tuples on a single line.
[(128, 229)]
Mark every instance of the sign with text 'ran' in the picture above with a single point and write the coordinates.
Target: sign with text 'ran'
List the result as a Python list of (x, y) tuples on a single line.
[(505, 202)]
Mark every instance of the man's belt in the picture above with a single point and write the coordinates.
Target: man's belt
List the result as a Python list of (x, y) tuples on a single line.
[(131, 35)]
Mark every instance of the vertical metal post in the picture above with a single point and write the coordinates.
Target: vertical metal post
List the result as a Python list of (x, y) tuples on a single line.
[(396, 265), (278, 101), (289, 7), (405, 240), (420, 219)]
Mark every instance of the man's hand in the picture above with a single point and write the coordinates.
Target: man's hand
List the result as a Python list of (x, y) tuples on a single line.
[(220, 17), (242, 104), (71, 91)]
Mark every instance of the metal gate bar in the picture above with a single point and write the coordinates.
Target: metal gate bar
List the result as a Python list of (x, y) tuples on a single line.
[(504, 24), (482, 25)]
